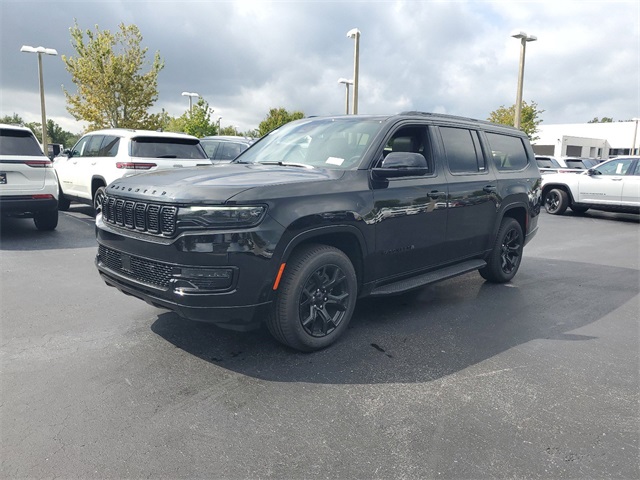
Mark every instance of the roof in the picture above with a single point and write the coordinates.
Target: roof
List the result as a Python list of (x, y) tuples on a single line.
[(131, 133)]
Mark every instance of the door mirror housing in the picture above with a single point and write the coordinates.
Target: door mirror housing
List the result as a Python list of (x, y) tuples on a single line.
[(402, 164)]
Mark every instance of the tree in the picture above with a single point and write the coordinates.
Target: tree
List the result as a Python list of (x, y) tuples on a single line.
[(55, 133), (276, 118), (198, 121), (529, 118), (604, 120), (112, 91), (14, 119)]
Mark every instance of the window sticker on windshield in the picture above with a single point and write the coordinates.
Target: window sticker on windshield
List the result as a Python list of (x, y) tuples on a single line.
[(335, 160)]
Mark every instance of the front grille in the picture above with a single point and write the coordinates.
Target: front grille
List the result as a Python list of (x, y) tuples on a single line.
[(141, 216), (137, 268)]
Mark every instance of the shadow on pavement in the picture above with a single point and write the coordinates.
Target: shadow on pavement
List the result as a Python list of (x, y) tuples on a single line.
[(439, 330), (73, 231)]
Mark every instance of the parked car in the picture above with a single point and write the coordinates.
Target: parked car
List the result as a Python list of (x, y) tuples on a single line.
[(320, 212), (580, 163), (613, 185), (28, 185), (554, 165), (224, 148), (103, 156)]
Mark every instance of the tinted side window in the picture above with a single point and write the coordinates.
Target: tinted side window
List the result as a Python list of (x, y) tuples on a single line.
[(615, 167), (93, 146), (231, 150), (18, 142), (413, 139), (109, 147), (210, 148), (508, 152), (80, 147), (462, 149)]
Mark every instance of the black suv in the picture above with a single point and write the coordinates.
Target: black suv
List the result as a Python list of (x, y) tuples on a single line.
[(318, 213)]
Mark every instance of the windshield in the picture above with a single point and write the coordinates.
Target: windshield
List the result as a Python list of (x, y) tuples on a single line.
[(334, 143)]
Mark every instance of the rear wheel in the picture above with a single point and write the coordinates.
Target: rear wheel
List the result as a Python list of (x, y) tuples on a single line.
[(98, 197), (556, 201), (315, 300), (46, 220), (506, 255)]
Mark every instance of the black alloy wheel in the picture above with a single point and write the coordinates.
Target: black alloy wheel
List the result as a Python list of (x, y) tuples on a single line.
[(315, 299), (98, 198), (324, 301), (505, 258), (511, 251), (556, 201)]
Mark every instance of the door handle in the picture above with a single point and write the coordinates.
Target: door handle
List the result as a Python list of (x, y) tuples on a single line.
[(490, 189), (617, 179), (433, 194)]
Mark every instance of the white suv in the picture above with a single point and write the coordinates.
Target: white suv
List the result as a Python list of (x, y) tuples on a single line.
[(28, 185), (103, 156)]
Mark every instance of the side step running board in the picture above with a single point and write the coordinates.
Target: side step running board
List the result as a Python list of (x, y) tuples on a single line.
[(427, 278)]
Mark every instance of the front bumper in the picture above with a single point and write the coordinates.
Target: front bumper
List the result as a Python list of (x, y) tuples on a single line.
[(220, 278)]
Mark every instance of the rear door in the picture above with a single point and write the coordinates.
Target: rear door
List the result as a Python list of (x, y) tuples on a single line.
[(22, 163), (473, 201), (631, 186)]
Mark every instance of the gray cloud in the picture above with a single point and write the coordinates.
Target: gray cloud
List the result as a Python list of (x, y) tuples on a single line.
[(245, 57)]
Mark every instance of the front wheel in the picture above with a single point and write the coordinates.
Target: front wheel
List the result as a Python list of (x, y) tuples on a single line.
[(506, 255), (316, 298), (556, 201), (98, 197)]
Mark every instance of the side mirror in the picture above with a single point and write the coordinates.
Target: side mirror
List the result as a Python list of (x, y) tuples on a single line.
[(592, 171), (66, 152), (402, 164)]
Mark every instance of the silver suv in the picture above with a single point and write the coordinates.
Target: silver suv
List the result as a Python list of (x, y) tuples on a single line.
[(103, 156), (28, 185)]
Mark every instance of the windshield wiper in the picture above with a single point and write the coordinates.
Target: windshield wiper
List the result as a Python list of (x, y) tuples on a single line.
[(285, 164)]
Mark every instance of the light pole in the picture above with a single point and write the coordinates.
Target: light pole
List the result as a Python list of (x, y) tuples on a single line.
[(346, 98), (219, 118), (190, 95), (355, 34), (40, 51), (524, 38), (635, 133)]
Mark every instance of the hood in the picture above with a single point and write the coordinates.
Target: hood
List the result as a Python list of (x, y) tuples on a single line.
[(213, 184)]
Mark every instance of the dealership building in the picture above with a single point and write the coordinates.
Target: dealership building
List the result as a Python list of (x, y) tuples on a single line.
[(593, 140)]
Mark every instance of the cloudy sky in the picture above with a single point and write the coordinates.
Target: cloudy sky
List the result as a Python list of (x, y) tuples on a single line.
[(247, 56)]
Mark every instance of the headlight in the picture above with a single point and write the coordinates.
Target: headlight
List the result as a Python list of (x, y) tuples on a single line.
[(220, 217)]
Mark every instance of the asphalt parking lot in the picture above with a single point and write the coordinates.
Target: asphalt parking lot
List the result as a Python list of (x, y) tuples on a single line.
[(538, 378)]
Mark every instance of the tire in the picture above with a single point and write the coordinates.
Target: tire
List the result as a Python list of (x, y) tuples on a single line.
[(63, 202), (98, 196), (506, 255), (556, 201), (46, 220), (579, 208), (315, 299)]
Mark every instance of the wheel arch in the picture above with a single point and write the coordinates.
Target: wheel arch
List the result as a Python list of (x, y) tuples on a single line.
[(97, 181), (345, 238), (561, 186)]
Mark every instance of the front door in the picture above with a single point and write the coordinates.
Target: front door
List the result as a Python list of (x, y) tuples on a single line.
[(410, 213)]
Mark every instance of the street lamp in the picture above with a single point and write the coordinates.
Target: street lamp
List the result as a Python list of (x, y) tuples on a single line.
[(355, 34), (190, 95), (40, 51), (635, 134), (346, 98), (524, 38), (219, 118)]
